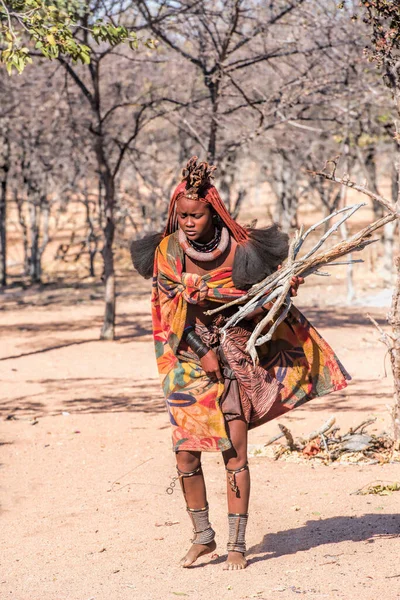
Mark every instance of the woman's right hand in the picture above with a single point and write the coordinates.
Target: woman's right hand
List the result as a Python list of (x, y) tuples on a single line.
[(211, 366)]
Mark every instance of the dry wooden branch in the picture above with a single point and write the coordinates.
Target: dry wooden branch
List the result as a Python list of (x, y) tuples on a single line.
[(288, 435), (324, 444), (275, 438), (324, 429), (277, 285), (378, 487), (360, 427), (355, 186), (385, 337)]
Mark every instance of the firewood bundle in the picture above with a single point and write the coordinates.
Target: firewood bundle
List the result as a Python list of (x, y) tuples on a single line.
[(276, 287)]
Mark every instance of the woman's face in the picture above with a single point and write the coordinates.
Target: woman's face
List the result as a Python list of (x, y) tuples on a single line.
[(195, 218)]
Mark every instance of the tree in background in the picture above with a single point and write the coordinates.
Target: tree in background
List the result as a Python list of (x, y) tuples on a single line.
[(264, 90), (244, 70), (5, 165), (31, 28), (383, 16)]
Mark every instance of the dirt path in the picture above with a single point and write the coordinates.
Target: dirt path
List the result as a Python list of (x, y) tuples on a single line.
[(85, 460)]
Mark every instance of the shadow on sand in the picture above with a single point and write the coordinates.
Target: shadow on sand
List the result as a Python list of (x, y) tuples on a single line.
[(133, 327), (342, 317), (366, 528), (137, 397)]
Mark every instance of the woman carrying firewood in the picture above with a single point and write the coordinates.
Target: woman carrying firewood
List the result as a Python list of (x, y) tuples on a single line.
[(214, 392)]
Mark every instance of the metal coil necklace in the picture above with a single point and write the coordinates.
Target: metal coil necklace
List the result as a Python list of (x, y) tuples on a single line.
[(205, 252)]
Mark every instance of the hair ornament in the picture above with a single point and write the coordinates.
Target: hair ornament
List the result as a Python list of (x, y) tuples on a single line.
[(197, 177)]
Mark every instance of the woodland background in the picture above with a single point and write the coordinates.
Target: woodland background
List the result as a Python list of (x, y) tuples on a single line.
[(89, 154)]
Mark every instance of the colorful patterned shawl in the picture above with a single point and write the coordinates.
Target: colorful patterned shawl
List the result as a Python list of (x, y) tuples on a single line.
[(297, 357)]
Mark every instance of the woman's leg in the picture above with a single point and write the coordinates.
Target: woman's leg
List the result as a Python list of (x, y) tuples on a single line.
[(238, 492), (194, 491)]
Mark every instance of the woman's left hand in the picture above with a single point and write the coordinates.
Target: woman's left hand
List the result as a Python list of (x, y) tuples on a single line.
[(295, 283)]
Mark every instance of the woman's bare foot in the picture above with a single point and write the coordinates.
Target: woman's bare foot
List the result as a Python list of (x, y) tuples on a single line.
[(195, 551), (235, 561)]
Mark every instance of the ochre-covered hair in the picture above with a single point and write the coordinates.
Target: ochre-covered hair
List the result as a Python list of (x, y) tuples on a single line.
[(196, 185), (259, 251)]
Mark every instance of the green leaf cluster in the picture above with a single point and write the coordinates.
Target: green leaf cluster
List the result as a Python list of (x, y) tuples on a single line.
[(51, 28)]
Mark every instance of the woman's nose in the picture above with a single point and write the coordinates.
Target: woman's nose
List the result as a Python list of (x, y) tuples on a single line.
[(189, 222)]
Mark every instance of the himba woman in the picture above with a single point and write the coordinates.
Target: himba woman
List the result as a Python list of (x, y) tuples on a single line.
[(213, 392)]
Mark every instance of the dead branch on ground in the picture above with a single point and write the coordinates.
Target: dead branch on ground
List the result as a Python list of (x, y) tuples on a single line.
[(327, 445)]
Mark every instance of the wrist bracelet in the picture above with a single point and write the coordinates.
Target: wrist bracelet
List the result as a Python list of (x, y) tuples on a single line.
[(195, 343)]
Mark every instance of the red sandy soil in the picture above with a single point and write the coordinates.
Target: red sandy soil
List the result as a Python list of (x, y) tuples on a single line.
[(85, 461)]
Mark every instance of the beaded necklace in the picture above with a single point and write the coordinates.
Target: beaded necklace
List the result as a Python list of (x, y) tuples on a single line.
[(208, 246), (205, 252)]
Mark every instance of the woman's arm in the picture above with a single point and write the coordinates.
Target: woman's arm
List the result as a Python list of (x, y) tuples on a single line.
[(207, 357)]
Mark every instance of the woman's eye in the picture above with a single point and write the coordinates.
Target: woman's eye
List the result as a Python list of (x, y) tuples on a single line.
[(185, 216)]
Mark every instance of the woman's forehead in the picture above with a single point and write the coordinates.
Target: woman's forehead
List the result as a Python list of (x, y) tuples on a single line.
[(187, 205)]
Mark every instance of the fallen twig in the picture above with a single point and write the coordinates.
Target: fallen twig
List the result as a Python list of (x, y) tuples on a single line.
[(324, 429), (361, 426), (289, 437), (386, 338), (378, 488), (274, 439)]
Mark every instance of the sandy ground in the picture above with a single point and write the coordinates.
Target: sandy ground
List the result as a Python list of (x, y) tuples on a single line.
[(85, 460)]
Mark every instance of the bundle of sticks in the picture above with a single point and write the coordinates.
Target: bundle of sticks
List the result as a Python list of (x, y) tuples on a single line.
[(326, 443), (276, 287)]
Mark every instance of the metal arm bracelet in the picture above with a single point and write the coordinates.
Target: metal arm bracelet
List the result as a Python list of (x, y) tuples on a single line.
[(194, 342)]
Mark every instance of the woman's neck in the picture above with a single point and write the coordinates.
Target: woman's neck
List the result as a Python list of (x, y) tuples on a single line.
[(208, 236)]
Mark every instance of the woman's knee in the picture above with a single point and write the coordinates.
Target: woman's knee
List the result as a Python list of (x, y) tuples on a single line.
[(188, 461), (236, 461), (236, 457)]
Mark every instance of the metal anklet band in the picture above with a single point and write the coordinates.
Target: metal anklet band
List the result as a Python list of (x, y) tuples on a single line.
[(204, 533), (237, 532), (182, 475), (232, 476)]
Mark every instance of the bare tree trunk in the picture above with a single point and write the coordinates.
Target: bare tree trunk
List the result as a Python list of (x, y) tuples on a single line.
[(108, 328), (91, 241), (213, 87), (107, 181), (393, 318), (3, 236), (44, 218), (388, 243), (237, 204), (34, 262), (344, 230), (4, 170), (24, 228), (394, 314), (287, 202)]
